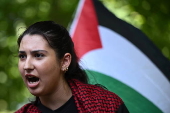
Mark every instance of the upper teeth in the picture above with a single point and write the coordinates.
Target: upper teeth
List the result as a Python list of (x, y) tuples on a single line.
[(30, 76)]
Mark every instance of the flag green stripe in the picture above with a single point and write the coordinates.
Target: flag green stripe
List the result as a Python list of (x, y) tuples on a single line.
[(136, 103)]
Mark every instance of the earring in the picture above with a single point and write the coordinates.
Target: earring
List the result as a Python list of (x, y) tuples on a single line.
[(65, 69)]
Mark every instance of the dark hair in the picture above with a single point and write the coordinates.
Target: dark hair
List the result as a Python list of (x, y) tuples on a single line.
[(59, 39)]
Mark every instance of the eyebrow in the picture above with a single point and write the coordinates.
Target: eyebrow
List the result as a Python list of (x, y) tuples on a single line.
[(21, 51), (35, 51)]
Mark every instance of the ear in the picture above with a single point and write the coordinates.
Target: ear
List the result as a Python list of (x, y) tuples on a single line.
[(66, 62)]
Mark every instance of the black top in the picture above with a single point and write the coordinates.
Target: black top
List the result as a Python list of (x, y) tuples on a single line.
[(68, 107), (122, 109)]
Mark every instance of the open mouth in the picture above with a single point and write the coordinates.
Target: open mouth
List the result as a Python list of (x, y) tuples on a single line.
[(32, 79)]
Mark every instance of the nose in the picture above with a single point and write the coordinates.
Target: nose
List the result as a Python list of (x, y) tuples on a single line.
[(28, 64)]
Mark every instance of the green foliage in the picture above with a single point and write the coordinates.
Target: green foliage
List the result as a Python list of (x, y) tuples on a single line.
[(148, 15), (6, 111)]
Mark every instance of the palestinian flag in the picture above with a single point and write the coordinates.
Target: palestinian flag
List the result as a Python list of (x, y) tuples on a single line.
[(120, 57)]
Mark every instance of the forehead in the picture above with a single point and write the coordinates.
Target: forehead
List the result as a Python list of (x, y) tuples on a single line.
[(33, 42)]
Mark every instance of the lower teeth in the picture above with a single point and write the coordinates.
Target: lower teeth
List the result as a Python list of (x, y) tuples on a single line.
[(32, 82)]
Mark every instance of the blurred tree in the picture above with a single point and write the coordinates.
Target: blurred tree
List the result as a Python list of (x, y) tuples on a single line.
[(148, 15), (151, 16)]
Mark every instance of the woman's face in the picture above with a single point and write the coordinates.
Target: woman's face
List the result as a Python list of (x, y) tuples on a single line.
[(38, 65)]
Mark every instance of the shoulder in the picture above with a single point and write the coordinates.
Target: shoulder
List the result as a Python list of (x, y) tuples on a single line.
[(28, 108), (103, 95), (96, 95), (92, 90)]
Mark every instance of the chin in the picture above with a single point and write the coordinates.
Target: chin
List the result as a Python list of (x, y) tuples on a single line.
[(34, 92)]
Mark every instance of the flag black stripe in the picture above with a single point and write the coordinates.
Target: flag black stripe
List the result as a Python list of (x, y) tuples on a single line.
[(134, 35)]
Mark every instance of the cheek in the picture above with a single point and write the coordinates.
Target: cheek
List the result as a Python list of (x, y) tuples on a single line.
[(48, 68), (20, 68), (48, 64)]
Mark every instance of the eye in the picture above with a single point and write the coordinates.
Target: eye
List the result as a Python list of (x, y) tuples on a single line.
[(21, 56), (39, 55)]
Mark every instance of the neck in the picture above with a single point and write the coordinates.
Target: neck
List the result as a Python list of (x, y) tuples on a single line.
[(58, 98)]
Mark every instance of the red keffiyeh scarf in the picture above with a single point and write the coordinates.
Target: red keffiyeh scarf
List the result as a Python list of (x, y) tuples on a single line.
[(88, 99)]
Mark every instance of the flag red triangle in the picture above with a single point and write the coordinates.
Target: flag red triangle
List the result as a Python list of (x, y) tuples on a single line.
[(86, 35)]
